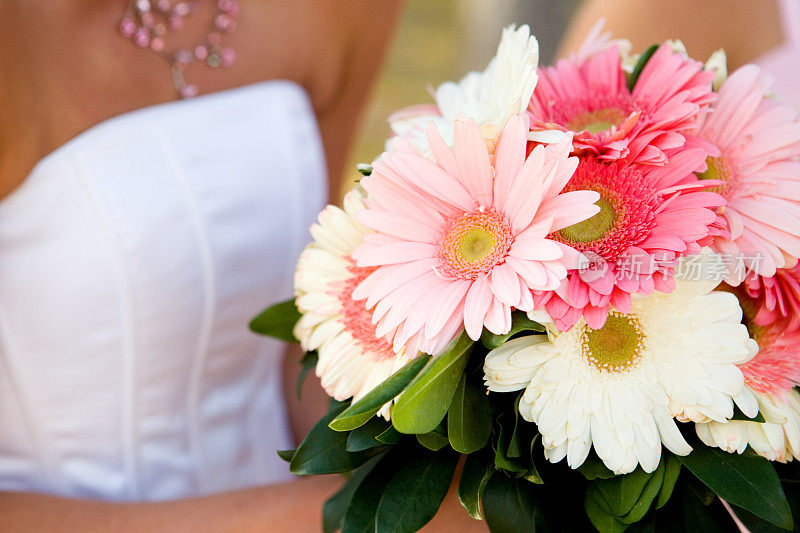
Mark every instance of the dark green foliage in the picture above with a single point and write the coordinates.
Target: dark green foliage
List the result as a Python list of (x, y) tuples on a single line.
[(519, 323), (415, 491), (277, 321), (639, 67), (309, 362), (746, 480), (468, 421), (365, 408), (424, 403), (324, 451)]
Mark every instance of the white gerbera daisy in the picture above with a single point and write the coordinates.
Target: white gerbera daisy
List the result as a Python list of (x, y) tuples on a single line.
[(352, 360), (598, 40), (619, 388), (718, 64), (490, 97), (770, 379), (777, 439)]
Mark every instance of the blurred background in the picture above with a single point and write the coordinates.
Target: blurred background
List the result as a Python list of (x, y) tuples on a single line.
[(442, 40)]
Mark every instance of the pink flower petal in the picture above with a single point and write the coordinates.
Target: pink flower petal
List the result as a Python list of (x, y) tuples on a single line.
[(479, 299), (472, 159)]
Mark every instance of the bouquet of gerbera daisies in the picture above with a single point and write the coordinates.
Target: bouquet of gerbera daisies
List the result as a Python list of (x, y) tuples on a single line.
[(580, 282)]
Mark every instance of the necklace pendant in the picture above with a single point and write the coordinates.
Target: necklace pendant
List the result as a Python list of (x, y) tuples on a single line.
[(189, 91), (213, 60), (147, 24)]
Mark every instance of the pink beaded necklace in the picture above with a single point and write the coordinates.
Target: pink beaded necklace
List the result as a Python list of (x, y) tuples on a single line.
[(147, 23)]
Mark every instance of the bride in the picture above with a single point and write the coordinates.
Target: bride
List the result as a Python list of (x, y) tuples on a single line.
[(141, 227)]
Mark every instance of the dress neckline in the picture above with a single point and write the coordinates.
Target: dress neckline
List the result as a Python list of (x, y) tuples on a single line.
[(60, 152), (143, 112)]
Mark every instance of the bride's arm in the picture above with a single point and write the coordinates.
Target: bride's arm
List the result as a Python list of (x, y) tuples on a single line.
[(295, 506), (291, 507), (645, 22), (366, 26)]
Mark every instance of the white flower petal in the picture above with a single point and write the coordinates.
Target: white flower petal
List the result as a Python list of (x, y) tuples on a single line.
[(688, 345)]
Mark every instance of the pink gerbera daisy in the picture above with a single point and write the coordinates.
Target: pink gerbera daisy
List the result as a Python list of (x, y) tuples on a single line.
[(591, 98), (759, 162), (462, 240), (770, 378), (352, 359), (775, 370), (777, 298), (649, 216)]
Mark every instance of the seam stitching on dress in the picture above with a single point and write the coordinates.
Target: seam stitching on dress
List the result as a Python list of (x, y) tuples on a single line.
[(209, 297), (129, 371)]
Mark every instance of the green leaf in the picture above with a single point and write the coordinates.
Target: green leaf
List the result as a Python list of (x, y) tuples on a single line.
[(532, 474), (593, 468), (365, 169), (324, 451), (415, 491), (474, 477), (514, 449), (286, 455), (277, 321), (519, 323), (754, 524), (697, 516), (650, 492), (421, 407), (309, 361), (747, 481), (701, 492), (501, 459), (469, 424), (365, 408), (619, 495), (739, 415), (360, 514), (639, 67), (672, 468), (365, 437), (790, 476), (602, 520), (336, 506), (433, 440), (390, 436), (508, 505)]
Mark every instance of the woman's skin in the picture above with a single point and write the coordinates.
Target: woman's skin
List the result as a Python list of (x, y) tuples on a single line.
[(746, 29), (65, 68)]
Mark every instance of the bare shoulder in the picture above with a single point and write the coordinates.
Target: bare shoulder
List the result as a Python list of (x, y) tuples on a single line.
[(744, 28), (358, 33), (350, 36)]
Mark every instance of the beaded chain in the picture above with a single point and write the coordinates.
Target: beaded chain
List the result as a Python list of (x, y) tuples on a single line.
[(147, 23)]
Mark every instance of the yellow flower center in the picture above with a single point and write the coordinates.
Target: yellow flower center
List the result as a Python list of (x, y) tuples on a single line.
[(594, 228), (473, 243), (615, 347), (598, 120)]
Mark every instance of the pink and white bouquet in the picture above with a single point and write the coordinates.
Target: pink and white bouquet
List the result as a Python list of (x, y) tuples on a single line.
[(584, 279)]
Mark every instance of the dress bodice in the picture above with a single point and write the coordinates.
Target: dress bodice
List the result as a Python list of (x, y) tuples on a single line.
[(131, 260)]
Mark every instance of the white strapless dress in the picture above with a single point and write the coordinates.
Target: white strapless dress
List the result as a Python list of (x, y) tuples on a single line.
[(131, 260)]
